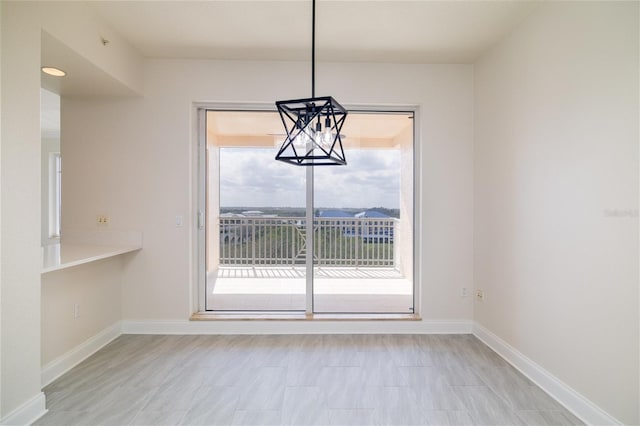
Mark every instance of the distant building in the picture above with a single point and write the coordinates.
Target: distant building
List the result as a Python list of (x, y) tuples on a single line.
[(372, 214), (231, 215), (334, 214), (334, 217), (375, 231), (370, 225)]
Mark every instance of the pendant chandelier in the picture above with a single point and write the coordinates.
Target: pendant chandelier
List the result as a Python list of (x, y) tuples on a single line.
[(312, 124)]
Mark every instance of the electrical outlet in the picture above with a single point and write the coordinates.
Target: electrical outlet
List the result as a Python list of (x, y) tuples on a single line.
[(103, 220), (479, 295), (464, 292), (76, 310)]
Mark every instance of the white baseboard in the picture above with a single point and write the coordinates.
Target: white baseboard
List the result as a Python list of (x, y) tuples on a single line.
[(296, 327), (67, 361), (580, 406), (27, 413)]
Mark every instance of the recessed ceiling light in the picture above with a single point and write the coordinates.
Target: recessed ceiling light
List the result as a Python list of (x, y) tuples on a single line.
[(56, 72)]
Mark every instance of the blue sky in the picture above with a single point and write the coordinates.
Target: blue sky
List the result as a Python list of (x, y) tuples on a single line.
[(251, 177)]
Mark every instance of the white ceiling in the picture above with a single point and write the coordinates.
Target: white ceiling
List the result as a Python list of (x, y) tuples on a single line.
[(83, 79), (390, 31), (396, 31)]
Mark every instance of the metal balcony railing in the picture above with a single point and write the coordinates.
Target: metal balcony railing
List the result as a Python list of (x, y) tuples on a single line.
[(281, 241)]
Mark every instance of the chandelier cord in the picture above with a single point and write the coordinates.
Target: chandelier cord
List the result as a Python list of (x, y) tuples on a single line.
[(313, 124)]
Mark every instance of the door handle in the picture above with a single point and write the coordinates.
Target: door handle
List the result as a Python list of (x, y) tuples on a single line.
[(200, 220)]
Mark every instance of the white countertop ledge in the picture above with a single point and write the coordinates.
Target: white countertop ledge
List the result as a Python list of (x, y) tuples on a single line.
[(81, 248)]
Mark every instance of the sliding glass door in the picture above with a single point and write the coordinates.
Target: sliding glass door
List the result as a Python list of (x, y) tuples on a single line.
[(260, 213), (364, 213)]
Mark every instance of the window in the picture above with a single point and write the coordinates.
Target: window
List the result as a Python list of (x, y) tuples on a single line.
[(257, 213), (55, 194)]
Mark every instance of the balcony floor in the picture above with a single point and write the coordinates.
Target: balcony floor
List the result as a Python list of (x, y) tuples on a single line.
[(337, 290)]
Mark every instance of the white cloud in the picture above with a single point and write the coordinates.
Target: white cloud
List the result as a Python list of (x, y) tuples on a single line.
[(251, 177)]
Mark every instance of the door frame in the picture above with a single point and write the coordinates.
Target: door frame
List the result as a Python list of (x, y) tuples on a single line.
[(198, 196)]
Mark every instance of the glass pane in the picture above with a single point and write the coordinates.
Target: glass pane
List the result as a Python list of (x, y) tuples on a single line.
[(364, 220), (255, 219)]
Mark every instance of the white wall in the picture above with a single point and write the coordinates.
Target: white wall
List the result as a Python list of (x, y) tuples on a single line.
[(213, 205), (96, 288), (20, 193), (133, 160), (76, 26), (20, 238), (403, 248), (556, 196)]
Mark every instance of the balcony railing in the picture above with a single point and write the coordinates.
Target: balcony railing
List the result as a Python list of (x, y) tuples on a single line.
[(281, 241)]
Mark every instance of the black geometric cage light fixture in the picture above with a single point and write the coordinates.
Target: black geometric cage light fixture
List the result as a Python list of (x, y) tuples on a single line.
[(313, 124)]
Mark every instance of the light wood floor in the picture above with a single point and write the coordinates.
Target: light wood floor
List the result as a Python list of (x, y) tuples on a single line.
[(298, 380)]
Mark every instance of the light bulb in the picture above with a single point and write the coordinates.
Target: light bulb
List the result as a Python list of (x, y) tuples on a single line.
[(327, 138), (300, 141)]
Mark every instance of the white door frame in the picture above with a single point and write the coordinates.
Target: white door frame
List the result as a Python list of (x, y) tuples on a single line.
[(198, 296)]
